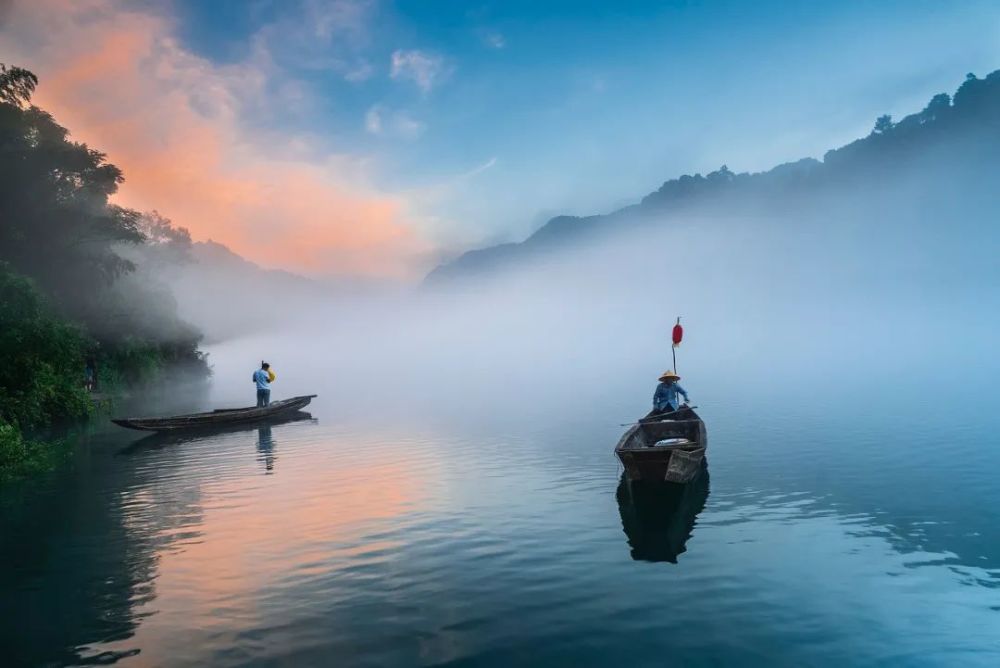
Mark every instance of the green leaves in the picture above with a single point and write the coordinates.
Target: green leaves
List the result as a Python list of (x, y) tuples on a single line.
[(20, 456), (41, 358)]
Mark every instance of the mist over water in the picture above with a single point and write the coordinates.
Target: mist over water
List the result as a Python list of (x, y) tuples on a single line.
[(839, 298)]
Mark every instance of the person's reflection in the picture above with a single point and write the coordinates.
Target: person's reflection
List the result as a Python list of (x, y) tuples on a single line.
[(265, 448)]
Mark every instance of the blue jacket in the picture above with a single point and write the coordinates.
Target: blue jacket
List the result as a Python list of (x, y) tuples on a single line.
[(260, 377), (665, 397)]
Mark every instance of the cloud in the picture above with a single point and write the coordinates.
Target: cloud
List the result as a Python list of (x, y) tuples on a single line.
[(326, 35), (181, 128), (425, 69), (381, 121), (373, 121), (494, 40), (362, 71), (480, 169)]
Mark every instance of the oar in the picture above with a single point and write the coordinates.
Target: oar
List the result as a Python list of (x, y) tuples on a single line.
[(655, 418)]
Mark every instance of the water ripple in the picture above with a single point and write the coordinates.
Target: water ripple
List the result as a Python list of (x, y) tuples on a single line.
[(311, 543)]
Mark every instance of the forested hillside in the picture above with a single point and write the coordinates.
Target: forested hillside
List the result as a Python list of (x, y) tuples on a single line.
[(947, 147), (74, 318)]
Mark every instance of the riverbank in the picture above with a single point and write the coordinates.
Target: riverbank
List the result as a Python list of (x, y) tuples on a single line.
[(49, 362), (45, 446), (20, 456)]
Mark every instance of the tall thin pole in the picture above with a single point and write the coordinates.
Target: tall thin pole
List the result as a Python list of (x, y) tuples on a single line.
[(675, 339)]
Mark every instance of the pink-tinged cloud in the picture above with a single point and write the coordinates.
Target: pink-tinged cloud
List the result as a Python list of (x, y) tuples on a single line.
[(175, 123)]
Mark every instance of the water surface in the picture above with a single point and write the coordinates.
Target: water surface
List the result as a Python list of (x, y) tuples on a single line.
[(830, 532)]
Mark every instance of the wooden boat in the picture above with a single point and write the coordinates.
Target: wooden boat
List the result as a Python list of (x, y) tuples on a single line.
[(159, 439), (218, 418), (670, 447)]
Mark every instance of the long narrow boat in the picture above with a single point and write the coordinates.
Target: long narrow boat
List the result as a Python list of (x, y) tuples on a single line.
[(664, 448), (217, 418), (157, 439)]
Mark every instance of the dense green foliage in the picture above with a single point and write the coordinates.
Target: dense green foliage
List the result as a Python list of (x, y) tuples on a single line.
[(43, 357), (59, 227), (19, 455), (78, 281)]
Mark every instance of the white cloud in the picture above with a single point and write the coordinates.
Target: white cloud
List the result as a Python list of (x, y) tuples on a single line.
[(406, 127), (373, 121), (339, 19), (380, 121), (360, 72), (425, 69), (476, 171), (330, 35), (494, 40)]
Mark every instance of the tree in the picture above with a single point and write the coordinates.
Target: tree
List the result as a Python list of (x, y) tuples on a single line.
[(58, 225), (939, 105), (43, 357), (59, 228), (16, 85), (883, 125)]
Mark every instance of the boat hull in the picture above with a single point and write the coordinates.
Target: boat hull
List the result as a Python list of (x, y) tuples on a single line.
[(678, 460), (219, 418)]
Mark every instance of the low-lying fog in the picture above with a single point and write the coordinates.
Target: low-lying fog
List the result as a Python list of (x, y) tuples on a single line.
[(862, 296)]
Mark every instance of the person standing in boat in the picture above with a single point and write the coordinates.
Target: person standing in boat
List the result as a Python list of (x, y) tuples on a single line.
[(665, 399), (263, 377)]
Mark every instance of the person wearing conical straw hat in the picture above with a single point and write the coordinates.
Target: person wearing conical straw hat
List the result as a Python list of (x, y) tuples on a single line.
[(665, 398)]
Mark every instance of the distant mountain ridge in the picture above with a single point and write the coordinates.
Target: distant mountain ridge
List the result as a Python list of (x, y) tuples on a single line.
[(228, 295), (214, 256), (972, 116)]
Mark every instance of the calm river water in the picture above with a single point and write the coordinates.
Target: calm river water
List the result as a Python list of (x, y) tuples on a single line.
[(850, 527)]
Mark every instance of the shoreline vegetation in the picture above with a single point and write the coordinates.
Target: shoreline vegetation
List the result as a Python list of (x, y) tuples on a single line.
[(83, 317)]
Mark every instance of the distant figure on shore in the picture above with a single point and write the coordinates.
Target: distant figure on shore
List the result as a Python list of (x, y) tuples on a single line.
[(665, 398), (263, 377), (90, 375)]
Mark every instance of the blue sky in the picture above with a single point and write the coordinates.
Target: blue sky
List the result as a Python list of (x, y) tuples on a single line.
[(338, 136), (545, 107)]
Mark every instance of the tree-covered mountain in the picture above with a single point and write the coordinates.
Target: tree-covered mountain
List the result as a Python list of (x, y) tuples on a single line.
[(230, 296), (950, 143)]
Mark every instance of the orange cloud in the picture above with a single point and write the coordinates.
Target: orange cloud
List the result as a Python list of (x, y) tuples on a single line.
[(176, 124)]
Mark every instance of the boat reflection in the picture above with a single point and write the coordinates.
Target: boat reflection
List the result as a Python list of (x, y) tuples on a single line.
[(263, 427), (658, 518)]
